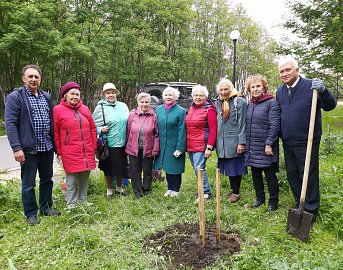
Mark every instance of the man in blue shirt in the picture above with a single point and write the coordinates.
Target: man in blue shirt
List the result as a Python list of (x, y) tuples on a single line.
[(29, 127), (295, 99)]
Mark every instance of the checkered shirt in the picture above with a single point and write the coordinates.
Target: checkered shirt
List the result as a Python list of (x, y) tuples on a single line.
[(41, 120)]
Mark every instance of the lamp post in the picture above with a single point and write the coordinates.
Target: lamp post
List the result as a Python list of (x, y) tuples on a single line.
[(234, 35)]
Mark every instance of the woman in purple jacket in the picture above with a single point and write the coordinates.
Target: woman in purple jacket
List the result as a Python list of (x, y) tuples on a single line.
[(262, 147), (142, 144)]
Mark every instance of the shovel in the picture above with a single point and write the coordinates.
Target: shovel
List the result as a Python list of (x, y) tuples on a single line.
[(299, 221)]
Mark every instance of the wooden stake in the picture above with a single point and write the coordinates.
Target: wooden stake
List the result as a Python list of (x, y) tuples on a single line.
[(218, 206), (201, 205)]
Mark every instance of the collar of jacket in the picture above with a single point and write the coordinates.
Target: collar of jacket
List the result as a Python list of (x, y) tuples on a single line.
[(67, 104), (149, 111)]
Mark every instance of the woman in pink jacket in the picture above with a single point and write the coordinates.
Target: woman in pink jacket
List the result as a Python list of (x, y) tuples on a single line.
[(142, 144), (75, 142)]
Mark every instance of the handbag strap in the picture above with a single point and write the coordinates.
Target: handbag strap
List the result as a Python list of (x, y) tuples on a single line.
[(103, 114)]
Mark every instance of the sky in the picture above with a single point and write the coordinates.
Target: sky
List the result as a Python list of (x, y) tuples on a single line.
[(269, 13)]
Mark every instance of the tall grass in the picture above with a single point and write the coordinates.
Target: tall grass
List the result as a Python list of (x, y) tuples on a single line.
[(110, 234)]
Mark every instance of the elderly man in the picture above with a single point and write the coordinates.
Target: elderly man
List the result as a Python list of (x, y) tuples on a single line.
[(29, 126), (295, 98)]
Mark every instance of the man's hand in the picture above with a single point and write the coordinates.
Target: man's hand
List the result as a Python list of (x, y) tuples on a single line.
[(318, 84), (19, 156)]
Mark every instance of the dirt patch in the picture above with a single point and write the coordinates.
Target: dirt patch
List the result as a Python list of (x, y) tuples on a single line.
[(181, 244)]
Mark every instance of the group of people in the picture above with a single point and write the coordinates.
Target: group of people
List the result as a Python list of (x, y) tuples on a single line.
[(242, 134)]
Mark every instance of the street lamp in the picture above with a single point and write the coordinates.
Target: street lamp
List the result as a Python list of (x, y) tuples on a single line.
[(234, 35)]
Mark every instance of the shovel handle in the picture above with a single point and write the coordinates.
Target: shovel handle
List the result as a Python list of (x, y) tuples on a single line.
[(309, 147)]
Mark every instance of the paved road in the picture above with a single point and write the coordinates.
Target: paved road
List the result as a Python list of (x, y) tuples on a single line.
[(6, 155)]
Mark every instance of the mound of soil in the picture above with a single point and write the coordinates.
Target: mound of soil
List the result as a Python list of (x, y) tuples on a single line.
[(182, 244)]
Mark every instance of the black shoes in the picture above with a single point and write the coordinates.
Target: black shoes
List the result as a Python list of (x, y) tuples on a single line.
[(257, 204), (272, 208), (1, 235), (122, 193), (32, 220), (51, 212)]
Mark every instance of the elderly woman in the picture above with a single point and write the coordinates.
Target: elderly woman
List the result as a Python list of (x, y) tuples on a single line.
[(262, 147), (172, 134), (75, 142), (201, 129), (231, 111), (115, 114), (142, 144)]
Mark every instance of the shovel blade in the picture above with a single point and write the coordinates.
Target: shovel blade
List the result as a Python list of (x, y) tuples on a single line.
[(299, 224)]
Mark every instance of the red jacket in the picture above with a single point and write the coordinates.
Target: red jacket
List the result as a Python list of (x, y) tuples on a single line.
[(75, 136), (201, 127), (151, 145)]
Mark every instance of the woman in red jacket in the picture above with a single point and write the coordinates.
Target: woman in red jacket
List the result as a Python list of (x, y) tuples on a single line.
[(201, 132), (75, 142), (142, 144)]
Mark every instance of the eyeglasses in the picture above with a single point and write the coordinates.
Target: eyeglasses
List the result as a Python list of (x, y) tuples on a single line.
[(198, 95)]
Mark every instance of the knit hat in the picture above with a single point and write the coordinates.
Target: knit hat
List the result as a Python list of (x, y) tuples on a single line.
[(66, 87), (109, 86)]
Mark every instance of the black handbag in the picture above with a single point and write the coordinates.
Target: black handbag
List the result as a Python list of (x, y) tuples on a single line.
[(102, 151)]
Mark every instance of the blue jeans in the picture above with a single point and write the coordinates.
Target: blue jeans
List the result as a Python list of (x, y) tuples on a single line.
[(43, 162), (198, 159)]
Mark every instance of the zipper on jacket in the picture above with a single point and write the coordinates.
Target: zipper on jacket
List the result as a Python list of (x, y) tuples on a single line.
[(67, 137)]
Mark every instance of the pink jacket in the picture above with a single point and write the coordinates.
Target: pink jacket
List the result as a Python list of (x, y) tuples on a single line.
[(75, 136), (148, 121)]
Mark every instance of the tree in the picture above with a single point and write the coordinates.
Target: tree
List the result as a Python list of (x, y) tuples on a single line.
[(319, 23)]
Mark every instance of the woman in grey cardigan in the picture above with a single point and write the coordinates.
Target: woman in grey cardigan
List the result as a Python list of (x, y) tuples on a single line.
[(230, 144), (262, 147)]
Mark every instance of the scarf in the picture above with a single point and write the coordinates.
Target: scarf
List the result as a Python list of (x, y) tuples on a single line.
[(263, 97), (226, 104)]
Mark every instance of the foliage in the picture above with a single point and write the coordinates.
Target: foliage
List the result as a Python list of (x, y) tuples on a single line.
[(319, 26), (129, 43)]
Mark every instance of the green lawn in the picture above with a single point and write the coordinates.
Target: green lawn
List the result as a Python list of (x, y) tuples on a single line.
[(110, 234)]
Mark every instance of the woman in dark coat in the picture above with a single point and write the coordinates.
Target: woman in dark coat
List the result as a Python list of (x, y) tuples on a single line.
[(262, 147), (172, 134)]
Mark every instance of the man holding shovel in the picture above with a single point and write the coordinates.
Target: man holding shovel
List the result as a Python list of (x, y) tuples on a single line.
[(295, 98)]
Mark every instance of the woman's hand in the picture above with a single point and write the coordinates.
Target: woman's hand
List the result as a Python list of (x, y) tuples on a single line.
[(240, 149), (268, 150), (104, 129), (208, 153)]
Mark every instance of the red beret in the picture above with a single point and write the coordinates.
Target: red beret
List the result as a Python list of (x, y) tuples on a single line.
[(70, 85)]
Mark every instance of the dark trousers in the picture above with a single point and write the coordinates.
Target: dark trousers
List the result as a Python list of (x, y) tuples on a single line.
[(43, 162), (295, 163), (137, 164), (235, 183), (174, 181), (272, 184)]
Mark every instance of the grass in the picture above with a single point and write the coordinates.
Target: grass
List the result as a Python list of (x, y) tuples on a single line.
[(110, 234)]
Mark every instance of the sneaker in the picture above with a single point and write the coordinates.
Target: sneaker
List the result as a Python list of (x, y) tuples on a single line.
[(174, 194), (206, 197), (122, 193), (70, 206), (234, 198), (86, 203), (51, 212), (32, 220), (168, 193)]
